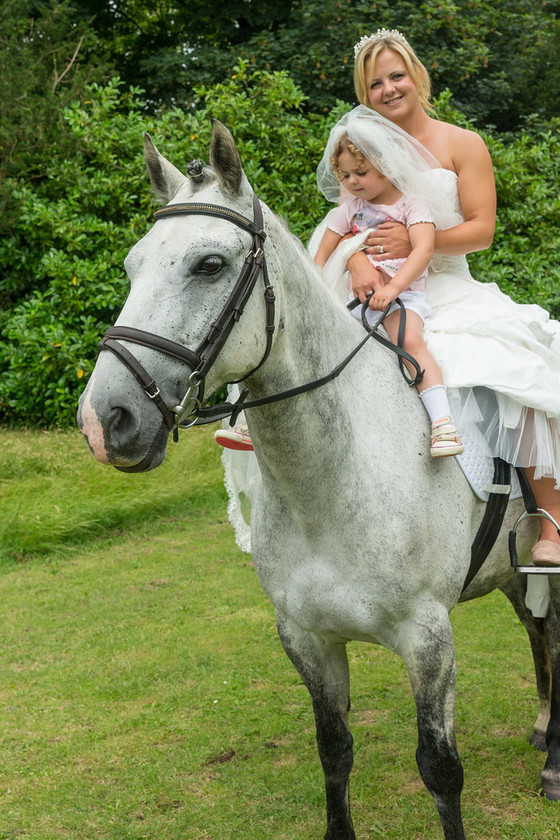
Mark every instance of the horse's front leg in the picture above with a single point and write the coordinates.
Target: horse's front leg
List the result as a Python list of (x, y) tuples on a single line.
[(430, 658), (323, 666)]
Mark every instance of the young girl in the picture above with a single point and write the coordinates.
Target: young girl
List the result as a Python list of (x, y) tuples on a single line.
[(374, 199), (346, 173)]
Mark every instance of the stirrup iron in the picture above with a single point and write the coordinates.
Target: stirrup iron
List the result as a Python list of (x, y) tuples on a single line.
[(531, 570)]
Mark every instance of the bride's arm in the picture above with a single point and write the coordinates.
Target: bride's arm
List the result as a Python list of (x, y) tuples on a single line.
[(477, 194)]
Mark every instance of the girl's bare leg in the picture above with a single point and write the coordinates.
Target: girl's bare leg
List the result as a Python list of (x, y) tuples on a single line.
[(415, 345)]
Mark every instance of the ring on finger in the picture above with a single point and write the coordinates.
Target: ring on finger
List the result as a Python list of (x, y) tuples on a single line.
[(381, 249)]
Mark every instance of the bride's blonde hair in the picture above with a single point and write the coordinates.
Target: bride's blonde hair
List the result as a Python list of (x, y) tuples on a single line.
[(363, 76)]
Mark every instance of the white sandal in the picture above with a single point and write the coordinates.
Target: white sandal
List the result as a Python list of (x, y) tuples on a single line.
[(445, 439)]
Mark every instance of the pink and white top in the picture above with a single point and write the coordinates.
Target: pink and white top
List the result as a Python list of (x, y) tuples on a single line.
[(357, 215)]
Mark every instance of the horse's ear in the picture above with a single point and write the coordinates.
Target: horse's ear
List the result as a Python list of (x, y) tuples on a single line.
[(165, 178), (225, 159)]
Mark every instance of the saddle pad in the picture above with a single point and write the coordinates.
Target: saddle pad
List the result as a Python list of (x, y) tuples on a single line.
[(477, 464)]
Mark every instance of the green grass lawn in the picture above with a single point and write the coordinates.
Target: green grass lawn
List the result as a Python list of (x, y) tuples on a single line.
[(144, 693)]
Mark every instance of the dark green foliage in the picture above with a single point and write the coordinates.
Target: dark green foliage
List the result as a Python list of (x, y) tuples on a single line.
[(42, 55), (74, 228), (493, 54), (44, 67), (523, 259)]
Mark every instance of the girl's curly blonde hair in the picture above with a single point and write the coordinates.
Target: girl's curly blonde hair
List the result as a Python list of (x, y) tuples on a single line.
[(344, 144)]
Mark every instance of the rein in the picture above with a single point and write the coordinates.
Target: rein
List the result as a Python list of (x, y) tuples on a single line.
[(208, 414), (190, 411)]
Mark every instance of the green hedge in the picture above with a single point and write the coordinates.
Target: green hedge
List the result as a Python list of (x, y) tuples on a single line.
[(61, 266)]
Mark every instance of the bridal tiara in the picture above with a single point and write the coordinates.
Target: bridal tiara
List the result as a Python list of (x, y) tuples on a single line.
[(377, 36)]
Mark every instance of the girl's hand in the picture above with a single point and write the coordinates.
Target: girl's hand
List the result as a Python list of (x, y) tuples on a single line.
[(393, 238), (383, 297)]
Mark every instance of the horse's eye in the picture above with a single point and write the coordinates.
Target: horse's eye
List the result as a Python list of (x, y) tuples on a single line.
[(210, 265)]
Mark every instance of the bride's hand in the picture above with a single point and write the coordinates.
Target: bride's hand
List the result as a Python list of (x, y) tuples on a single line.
[(365, 278), (389, 242)]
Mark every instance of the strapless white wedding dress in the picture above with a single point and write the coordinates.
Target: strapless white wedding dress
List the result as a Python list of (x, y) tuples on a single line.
[(499, 359)]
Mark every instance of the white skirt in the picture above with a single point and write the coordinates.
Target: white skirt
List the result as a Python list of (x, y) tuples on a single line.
[(501, 363)]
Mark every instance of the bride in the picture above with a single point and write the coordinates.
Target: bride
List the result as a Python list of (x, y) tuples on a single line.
[(500, 360)]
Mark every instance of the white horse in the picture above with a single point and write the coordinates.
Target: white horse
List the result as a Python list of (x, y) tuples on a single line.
[(357, 534)]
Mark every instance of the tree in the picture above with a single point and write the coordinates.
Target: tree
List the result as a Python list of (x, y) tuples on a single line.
[(169, 47), (485, 51), (539, 93), (43, 66)]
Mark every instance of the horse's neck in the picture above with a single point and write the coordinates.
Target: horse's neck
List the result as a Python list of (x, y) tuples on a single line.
[(296, 437), (313, 333)]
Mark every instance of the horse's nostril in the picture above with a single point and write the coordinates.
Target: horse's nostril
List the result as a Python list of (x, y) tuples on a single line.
[(116, 418), (121, 426)]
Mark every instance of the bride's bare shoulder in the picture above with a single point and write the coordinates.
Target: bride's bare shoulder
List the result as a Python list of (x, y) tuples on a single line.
[(452, 145)]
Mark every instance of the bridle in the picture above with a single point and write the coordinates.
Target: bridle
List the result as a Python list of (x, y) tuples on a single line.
[(186, 412), (190, 411)]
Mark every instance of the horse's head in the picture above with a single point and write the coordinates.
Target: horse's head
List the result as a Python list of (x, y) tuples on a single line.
[(186, 276)]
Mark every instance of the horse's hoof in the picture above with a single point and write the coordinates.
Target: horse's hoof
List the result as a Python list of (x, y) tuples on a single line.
[(538, 740), (551, 791)]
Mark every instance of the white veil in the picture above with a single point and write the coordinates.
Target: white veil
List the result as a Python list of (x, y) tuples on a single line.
[(401, 158)]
